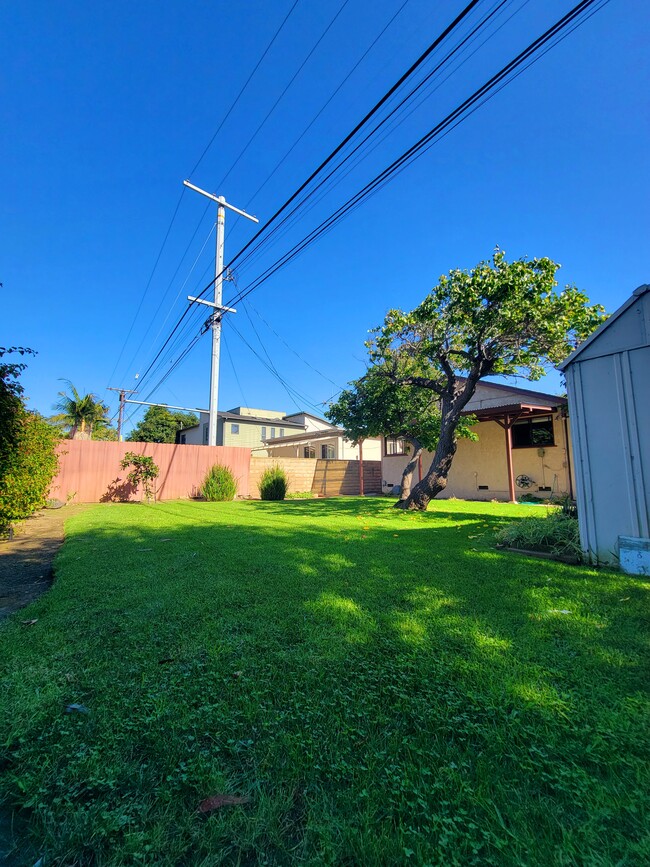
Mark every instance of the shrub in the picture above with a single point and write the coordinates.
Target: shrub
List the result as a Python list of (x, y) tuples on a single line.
[(219, 485), (144, 472), (556, 533), (28, 464), (300, 495), (273, 484)]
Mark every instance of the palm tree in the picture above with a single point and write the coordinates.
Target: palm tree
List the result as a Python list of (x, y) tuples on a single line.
[(79, 413)]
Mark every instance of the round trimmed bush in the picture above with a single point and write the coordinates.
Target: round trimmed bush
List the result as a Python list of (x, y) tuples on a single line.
[(219, 485), (273, 484)]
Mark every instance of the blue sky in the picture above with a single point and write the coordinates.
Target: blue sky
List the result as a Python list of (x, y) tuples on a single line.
[(108, 107)]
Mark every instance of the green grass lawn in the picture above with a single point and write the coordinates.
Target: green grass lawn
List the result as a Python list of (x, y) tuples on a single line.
[(386, 687)]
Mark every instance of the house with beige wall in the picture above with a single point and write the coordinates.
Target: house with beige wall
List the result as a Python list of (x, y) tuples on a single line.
[(326, 442), (523, 447)]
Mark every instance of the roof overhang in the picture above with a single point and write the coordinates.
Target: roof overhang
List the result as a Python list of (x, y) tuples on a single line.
[(527, 410)]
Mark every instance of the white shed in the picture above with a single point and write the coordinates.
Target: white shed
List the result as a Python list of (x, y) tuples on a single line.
[(608, 386)]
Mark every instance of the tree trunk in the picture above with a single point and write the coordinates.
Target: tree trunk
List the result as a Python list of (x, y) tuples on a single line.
[(435, 481), (409, 469)]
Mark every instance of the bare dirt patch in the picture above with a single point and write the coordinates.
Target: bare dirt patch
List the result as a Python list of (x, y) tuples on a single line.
[(26, 560)]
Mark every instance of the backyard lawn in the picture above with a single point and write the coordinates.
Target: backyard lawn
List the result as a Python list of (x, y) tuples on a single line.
[(384, 687)]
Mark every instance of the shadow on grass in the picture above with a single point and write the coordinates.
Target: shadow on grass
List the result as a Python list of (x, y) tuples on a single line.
[(391, 672)]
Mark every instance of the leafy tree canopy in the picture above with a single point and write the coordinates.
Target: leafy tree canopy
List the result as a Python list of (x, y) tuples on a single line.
[(160, 424), (378, 405), (500, 318)]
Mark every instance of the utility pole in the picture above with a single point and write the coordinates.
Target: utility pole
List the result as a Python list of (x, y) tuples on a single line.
[(120, 417), (217, 306)]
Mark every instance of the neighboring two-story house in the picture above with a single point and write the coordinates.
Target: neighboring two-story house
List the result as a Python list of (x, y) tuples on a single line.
[(273, 433), (242, 426)]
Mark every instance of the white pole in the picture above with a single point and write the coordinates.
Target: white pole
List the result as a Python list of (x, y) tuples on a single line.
[(216, 324), (219, 310)]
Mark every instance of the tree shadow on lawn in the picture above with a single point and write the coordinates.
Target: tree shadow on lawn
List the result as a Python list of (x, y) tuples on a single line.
[(343, 650)]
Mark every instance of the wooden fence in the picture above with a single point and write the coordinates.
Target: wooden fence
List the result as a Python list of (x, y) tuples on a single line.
[(89, 472)]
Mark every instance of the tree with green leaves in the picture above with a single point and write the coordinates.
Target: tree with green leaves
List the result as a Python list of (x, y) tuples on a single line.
[(28, 459), (377, 405), (160, 424), (500, 318), (80, 415)]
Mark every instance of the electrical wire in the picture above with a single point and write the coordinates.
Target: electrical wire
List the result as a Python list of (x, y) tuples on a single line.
[(278, 100), (424, 142), (502, 78), (245, 85), (373, 111), (341, 84), (194, 168)]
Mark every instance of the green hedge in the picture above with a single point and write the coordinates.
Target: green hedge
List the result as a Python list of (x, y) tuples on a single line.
[(273, 484), (219, 485), (28, 463)]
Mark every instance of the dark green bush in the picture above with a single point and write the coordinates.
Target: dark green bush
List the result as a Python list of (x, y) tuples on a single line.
[(28, 464), (219, 485), (273, 484), (556, 533)]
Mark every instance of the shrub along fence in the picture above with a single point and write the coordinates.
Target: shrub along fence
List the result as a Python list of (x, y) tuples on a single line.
[(89, 472)]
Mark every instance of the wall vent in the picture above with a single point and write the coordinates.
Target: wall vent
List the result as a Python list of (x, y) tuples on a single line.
[(484, 487)]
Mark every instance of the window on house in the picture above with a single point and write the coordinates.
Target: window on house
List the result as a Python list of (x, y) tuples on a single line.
[(234, 428), (183, 439), (531, 433), (281, 431), (327, 452), (263, 433), (309, 452), (206, 433), (394, 446), (272, 433)]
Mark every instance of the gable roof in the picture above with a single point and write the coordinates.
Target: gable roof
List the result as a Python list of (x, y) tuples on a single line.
[(634, 297), (542, 396), (310, 415)]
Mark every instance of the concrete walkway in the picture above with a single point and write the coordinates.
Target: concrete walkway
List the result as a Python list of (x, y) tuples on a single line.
[(26, 560)]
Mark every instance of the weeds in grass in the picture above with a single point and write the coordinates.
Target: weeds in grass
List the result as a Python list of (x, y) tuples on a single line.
[(555, 533)]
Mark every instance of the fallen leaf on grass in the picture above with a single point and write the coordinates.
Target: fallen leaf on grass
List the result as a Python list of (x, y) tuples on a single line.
[(30, 622), (76, 708), (624, 599), (237, 673), (164, 540), (218, 801)]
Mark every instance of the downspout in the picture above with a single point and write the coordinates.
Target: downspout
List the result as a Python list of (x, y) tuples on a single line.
[(568, 455)]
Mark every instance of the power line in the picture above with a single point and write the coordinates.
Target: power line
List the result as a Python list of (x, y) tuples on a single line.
[(362, 145), (414, 66), (329, 100), (290, 348), (473, 102), (278, 100), (196, 165), (146, 288), (245, 85), (454, 117)]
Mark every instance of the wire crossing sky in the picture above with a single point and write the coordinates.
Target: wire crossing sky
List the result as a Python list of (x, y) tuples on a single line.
[(107, 106)]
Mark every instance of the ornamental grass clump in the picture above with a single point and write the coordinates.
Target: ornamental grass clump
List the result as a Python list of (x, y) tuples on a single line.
[(273, 484), (557, 534), (219, 485)]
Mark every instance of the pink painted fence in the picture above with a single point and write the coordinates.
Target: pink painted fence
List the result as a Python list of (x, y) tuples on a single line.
[(90, 471)]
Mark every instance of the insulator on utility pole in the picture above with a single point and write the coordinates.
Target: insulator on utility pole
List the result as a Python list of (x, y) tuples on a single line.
[(222, 204)]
